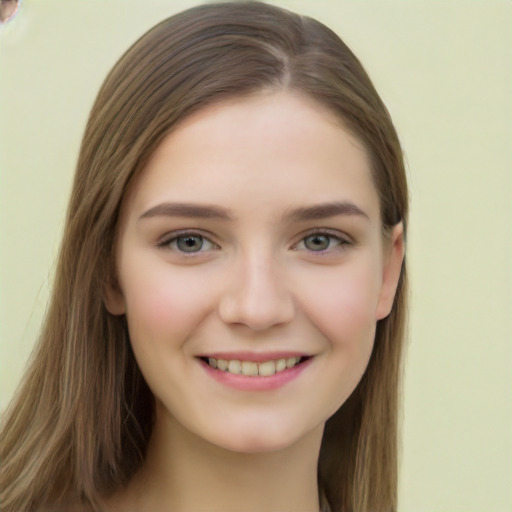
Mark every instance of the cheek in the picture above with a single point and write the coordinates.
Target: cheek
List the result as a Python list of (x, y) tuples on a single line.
[(162, 304), (342, 305)]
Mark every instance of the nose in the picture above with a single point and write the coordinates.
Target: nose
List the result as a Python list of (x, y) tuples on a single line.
[(256, 295)]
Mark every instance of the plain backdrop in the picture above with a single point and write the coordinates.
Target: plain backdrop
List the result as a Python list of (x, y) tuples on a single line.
[(444, 70)]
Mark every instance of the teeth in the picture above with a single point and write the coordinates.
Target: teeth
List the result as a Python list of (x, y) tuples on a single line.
[(222, 364), (235, 367), (267, 368), (251, 368), (281, 364), (291, 362)]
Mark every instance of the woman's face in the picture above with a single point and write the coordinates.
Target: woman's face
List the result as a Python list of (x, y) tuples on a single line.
[(252, 270)]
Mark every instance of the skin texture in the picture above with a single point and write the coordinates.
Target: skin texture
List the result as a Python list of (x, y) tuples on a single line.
[(257, 284)]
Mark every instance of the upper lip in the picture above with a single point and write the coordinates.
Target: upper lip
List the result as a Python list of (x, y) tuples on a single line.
[(256, 357)]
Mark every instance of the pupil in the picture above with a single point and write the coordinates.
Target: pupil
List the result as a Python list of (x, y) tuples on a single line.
[(317, 242), (190, 243)]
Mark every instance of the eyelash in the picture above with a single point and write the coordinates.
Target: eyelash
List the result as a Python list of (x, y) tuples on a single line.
[(171, 240), (341, 241)]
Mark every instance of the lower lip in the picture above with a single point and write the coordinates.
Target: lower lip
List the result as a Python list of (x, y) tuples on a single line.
[(248, 383)]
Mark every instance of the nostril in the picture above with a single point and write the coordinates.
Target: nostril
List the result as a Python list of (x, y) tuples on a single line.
[(256, 310)]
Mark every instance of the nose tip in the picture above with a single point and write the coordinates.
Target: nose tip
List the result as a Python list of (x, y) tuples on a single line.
[(258, 298)]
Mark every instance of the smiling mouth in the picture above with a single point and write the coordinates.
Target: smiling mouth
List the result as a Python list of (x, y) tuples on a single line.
[(252, 368)]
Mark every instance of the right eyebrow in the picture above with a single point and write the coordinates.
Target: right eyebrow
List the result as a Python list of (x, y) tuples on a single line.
[(190, 210)]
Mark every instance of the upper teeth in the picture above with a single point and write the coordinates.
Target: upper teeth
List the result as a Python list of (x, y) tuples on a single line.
[(251, 368)]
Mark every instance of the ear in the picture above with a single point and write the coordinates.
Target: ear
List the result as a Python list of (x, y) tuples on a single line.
[(113, 298), (393, 258)]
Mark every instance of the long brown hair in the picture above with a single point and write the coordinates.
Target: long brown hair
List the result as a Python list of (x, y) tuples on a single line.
[(79, 424)]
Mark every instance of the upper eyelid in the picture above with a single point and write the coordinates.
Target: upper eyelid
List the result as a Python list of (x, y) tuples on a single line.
[(173, 235), (163, 243), (335, 233)]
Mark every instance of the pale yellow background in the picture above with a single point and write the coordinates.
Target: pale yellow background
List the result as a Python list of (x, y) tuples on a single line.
[(444, 70)]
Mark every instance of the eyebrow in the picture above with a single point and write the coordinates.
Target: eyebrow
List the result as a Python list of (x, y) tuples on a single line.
[(324, 211), (302, 214), (187, 210)]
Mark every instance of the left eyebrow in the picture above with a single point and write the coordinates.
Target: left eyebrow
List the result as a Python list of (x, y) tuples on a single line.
[(325, 210)]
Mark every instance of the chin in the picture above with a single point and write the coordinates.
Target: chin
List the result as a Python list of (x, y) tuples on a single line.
[(261, 440), (255, 444)]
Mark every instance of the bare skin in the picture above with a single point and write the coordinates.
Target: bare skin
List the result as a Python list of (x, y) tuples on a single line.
[(190, 474), (253, 232)]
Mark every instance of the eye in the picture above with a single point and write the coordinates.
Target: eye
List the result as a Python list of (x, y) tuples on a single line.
[(321, 242), (317, 242), (188, 243)]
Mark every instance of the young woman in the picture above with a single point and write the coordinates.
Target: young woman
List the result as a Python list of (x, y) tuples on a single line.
[(226, 325)]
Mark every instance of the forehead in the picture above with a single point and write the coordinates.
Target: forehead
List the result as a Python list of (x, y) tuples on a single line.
[(269, 150)]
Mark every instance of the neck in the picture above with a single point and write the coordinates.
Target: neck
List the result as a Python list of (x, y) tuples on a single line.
[(185, 472)]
